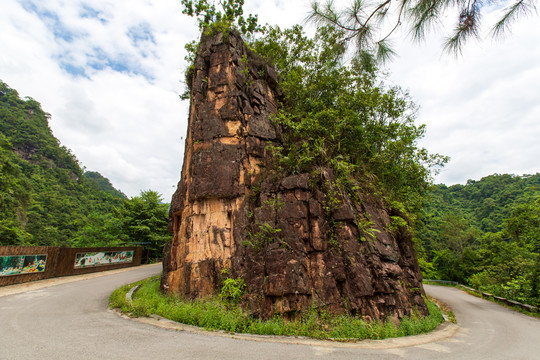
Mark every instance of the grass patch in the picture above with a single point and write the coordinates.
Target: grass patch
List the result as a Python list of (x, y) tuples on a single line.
[(216, 314)]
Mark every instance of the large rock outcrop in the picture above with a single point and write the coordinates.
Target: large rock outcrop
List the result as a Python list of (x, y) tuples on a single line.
[(297, 241)]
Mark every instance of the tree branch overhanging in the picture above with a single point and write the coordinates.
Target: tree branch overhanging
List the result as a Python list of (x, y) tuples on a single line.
[(417, 16)]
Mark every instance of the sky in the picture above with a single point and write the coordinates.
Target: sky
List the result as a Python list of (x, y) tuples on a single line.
[(110, 74)]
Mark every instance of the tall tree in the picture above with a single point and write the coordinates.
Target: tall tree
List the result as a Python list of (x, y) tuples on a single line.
[(143, 219)]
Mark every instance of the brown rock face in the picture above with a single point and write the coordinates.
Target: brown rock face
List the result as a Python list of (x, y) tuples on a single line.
[(296, 241)]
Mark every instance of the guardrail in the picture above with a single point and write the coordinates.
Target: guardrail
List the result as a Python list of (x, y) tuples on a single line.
[(526, 307)]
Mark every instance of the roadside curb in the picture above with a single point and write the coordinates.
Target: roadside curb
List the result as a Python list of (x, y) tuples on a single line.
[(129, 295), (442, 332)]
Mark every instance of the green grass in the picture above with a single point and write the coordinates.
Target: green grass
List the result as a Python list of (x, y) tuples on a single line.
[(216, 314)]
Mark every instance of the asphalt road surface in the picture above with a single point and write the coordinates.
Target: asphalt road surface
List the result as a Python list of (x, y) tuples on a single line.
[(72, 321)]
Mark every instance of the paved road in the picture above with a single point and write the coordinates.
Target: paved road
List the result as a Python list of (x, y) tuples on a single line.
[(72, 321)]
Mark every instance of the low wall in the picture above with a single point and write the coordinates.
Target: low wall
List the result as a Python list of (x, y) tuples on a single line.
[(19, 264), (49, 271)]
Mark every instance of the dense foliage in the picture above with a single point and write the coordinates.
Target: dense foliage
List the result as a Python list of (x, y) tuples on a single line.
[(47, 199), (485, 234), (141, 220), (341, 115), (13, 194), (144, 219), (337, 114)]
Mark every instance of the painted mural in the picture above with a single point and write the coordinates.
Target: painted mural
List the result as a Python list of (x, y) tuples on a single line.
[(22, 264), (84, 260)]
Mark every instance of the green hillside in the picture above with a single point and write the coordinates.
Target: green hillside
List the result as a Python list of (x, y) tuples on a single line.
[(485, 233), (45, 195), (102, 183)]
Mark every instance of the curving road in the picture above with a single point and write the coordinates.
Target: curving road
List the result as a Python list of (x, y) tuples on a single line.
[(72, 321)]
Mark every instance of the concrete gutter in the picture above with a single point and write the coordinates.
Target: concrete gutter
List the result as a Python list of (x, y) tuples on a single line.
[(129, 295)]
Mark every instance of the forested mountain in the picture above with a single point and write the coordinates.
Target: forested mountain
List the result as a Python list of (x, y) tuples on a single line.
[(102, 183), (46, 196), (485, 233)]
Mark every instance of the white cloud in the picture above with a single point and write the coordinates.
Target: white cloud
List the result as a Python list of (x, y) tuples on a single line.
[(124, 119), (480, 109)]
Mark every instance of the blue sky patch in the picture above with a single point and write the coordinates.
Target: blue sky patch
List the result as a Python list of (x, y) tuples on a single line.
[(88, 12), (52, 21), (99, 60), (120, 66), (73, 70), (86, 59), (141, 33)]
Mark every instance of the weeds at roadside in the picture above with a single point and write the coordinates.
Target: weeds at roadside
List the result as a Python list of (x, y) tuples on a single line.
[(445, 309), (215, 313)]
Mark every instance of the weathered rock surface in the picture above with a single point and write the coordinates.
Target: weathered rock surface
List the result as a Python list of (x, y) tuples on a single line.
[(282, 235)]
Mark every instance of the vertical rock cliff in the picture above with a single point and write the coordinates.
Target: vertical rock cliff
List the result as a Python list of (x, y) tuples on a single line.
[(297, 241)]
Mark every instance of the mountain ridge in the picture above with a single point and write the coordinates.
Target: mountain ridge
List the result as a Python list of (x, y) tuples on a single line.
[(45, 192)]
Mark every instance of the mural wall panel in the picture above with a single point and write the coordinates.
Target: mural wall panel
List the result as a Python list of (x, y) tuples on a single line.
[(22, 264), (19, 264), (84, 260)]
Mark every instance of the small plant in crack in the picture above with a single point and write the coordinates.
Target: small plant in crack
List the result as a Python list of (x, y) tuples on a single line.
[(275, 204), (265, 234)]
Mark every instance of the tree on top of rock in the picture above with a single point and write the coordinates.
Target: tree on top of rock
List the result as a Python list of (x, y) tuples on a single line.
[(231, 14)]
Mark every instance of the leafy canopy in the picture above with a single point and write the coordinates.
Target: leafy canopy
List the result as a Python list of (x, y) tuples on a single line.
[(230, 15), (13, 196), (343, 116), (485, 233), (144, 218), (141, 220), (336, 114)]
